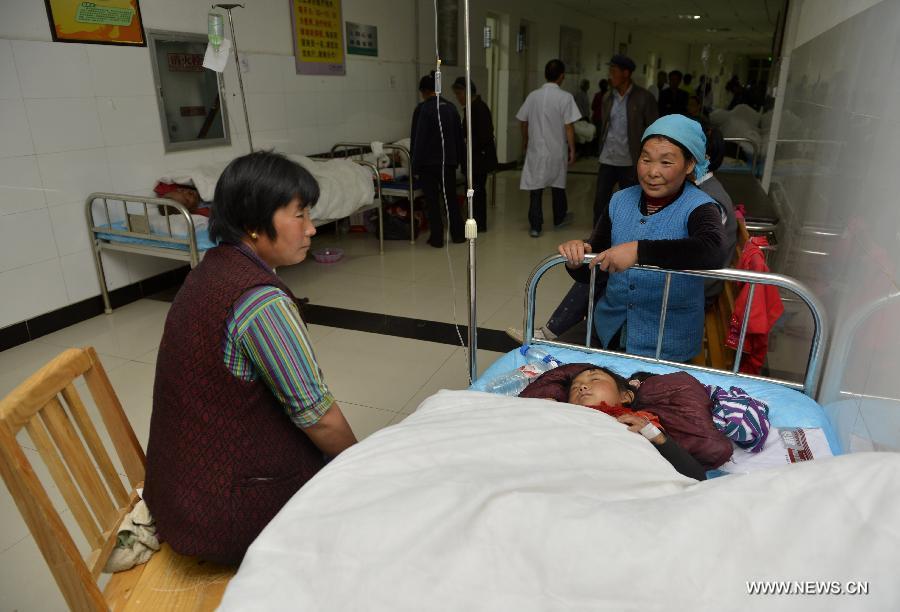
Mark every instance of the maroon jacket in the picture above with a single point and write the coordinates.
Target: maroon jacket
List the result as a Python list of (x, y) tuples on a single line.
[(683, 407), (223, 455)]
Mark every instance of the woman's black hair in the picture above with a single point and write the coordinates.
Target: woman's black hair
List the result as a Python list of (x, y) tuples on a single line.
[(251, 189), (688, 156)]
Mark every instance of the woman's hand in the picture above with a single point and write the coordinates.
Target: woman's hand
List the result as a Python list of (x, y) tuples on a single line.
[(574, 252), (618, 258), (636, 424)]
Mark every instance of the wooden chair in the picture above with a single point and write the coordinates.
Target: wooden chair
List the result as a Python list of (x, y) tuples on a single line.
[(93, 491)]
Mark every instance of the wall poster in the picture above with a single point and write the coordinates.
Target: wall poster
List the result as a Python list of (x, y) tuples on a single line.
[(318, 32), (104, 22)]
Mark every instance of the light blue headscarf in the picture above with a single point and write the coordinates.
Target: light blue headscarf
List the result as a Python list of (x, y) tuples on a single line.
[(685, 131)]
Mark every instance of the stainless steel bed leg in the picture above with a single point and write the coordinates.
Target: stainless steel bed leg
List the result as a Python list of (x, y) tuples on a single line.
[(101, 276), (662, 315), (590, 315), (740, 346), (380, 227)]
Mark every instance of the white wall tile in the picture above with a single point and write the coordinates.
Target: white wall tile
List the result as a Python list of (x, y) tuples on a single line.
[(16, 139), (300, 109), (266, 111), (69, 228), (141, 267), (26, 238), (330, 108), (53, 70), (279, 140), (64, 124), (80, 275), (24, 298), (121, 71), (70, 176), (305, 140), (135, 168), (20, 185), (9, 80), (115, 266), (131, 120), (265, 74)]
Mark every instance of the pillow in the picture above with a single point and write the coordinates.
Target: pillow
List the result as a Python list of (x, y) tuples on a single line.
[(683, 407)]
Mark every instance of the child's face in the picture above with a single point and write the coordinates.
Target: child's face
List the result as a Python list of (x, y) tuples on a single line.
[(592, 387)]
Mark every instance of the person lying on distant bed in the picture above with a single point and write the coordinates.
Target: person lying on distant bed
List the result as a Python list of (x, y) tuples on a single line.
[(603, 390), (183, 194)]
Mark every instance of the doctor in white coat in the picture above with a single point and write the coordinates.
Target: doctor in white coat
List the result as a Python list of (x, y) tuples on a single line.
[(548, 138)]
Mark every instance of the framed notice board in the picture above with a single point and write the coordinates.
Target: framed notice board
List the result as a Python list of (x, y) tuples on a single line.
[(104, 22), (318, 32)]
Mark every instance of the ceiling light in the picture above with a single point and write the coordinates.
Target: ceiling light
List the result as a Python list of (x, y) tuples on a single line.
[(689, 17)]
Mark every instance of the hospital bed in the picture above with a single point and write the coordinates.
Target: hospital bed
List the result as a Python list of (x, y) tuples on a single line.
[(395, 180), (159, 227), (484, 502)]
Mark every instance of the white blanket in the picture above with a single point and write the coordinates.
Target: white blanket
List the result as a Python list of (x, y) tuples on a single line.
[(482, 502), (344, 185)]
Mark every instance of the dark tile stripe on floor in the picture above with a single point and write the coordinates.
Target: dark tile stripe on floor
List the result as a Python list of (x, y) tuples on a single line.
[(390, 325)]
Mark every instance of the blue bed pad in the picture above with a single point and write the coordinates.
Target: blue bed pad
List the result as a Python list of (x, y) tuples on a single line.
[(787, 407), (404, 185), (203, 241)]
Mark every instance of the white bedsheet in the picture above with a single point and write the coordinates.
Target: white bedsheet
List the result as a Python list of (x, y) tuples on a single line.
[(483, 502), (344, 185)]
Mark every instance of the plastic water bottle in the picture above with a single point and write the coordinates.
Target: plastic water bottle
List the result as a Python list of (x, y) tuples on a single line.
[(537, 360)]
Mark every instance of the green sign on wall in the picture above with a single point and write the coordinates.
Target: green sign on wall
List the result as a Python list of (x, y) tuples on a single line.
[(362, 39)]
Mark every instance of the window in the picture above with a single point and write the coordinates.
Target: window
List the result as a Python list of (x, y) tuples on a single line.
[(189, 96)]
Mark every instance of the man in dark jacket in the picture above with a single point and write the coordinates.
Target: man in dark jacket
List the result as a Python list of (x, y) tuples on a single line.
[(484, 150), (436, 147), (627, 111), (674, 99)]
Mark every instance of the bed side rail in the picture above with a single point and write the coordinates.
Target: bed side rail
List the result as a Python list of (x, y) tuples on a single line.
[(754, 156), (137, 225), (817, 347)]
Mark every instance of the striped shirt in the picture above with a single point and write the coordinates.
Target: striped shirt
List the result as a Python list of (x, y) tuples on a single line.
[(265, 336)]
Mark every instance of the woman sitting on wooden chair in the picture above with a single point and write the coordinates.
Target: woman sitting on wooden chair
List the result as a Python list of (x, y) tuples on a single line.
[(242, 417)]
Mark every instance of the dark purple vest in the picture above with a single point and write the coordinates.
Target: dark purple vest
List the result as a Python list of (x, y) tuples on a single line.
[(223, 456)]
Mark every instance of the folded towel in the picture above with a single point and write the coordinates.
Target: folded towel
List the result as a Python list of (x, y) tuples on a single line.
[(137, 540)]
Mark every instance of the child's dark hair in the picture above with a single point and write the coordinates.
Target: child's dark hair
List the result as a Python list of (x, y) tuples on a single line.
[(251, 189)]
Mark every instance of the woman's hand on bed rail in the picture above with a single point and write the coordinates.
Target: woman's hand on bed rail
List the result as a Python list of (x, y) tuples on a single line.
[(618, 258), (574, 252)]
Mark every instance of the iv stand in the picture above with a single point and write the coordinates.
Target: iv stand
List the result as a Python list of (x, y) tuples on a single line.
[(237, 64), (471, 225)]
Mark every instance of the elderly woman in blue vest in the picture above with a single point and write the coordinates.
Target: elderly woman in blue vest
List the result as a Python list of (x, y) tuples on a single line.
[(663, 221)]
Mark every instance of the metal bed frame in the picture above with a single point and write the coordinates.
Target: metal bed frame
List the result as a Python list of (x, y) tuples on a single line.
[(817, 343), (358, 149), (754, 157), (138, 226), (386, 189)]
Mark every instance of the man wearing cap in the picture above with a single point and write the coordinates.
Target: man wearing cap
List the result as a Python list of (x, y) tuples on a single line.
[(484, 150), (627, 111), (548, 137)]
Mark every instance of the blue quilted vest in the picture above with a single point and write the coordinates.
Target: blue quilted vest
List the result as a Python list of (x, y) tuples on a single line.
[(634, 297)]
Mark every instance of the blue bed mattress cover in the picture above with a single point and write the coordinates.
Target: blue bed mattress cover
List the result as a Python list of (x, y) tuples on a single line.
[(787, 407), (203, 241)]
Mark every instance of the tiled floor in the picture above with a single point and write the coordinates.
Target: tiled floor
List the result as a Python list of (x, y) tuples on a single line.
[(377, 379)]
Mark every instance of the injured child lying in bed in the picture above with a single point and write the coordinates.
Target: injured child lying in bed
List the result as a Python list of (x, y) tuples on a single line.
[(670, 410)]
